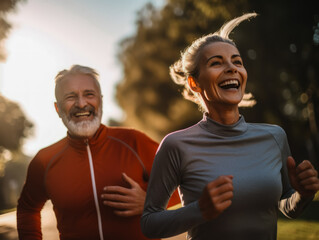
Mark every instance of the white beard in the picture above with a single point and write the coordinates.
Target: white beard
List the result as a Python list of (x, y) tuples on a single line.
[(85, 128)]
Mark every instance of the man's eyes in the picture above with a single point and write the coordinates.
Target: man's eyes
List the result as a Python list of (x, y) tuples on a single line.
[(70, 97), (86, 94)]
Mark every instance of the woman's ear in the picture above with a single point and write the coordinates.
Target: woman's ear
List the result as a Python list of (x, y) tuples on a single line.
[(193, 84)]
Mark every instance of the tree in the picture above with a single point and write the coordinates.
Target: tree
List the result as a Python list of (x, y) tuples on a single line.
[(14, 127), (284, 74), (279, 49), (13, 123), (6, 6), (150, 99)]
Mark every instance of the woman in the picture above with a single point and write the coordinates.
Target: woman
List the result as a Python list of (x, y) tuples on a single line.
[(232, 175)]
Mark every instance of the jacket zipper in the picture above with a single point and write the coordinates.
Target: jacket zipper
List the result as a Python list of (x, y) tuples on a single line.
[(96, 200)]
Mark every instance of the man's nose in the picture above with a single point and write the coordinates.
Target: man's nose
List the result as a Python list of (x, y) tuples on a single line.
[(81, 102)]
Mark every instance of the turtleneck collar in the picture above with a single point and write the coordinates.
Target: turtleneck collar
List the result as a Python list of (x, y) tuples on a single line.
[(216, 128), (94, 140)]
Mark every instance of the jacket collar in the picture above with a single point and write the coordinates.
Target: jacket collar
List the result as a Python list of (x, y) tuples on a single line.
[(236, 129), (93, 141)]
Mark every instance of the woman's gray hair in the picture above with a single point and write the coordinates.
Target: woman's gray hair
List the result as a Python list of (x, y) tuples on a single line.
[(188, 64), (77, 69)]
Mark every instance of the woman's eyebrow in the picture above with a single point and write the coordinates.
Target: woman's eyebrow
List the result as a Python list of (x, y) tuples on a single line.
[(220, 57), (236, 55), (216, 56)]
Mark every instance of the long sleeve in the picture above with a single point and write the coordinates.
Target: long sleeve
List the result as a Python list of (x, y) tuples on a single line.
[(146, 148), (31, 202), (291, 204), (156, 222)]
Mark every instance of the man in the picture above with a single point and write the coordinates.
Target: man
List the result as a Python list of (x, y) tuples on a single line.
[(96, 177)]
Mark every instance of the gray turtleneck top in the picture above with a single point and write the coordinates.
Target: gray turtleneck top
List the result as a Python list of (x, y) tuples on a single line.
[(255, 154)]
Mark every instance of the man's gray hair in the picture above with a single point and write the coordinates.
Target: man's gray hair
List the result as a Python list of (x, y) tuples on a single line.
[(77, 69)]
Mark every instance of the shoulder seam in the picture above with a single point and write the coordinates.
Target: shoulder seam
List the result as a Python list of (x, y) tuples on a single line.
[(272, 136), (132, 150)]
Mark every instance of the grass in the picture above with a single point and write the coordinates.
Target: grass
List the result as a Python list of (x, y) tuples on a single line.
[(298, 230), (306, 227)]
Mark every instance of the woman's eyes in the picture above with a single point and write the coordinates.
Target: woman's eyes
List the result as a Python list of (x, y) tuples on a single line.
[(215, 63), (238, 62)]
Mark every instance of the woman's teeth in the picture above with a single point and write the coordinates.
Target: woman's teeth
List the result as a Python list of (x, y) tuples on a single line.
[(230, 84)]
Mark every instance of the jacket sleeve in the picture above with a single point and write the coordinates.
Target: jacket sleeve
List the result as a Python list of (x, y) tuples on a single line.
[(31, 201), (291, 203), (156, 221), (147, 149)]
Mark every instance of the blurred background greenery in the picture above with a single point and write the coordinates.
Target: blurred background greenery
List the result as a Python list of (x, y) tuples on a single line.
[(280, 49), (14, 127)]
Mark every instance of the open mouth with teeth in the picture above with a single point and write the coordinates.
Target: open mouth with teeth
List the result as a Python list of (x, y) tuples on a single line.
[(83, 114), (228, 84)]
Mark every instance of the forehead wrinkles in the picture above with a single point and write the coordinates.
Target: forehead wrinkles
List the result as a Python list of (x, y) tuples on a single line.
[(71, 84)]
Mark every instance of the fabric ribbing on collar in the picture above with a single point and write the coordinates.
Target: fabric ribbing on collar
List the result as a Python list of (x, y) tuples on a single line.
[(219, 129)]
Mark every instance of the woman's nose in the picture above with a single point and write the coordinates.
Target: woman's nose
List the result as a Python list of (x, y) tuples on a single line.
[(230, 68)]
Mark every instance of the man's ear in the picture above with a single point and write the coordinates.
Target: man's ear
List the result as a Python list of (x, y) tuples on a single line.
[(57, 108), (193, 84)]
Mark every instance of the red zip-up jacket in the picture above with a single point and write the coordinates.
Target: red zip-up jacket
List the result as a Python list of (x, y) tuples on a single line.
[(61, 173)]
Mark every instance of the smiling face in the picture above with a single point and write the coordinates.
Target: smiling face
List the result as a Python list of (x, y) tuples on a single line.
[(79, 104), (222, 76)]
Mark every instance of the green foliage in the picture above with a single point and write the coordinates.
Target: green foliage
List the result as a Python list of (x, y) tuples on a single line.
[(6, 6), (13, 125), (152, 102), (280, 51), (12, 177)]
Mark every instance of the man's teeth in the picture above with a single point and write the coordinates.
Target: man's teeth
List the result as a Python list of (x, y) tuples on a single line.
[(229, 84), (80, 114)]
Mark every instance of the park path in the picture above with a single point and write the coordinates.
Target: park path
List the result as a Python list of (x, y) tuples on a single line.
[(8, 229)]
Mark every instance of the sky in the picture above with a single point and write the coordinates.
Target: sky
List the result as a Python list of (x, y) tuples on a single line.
[(51, 35)]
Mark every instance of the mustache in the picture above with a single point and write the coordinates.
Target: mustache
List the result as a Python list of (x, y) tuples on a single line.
[(75, 110)]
